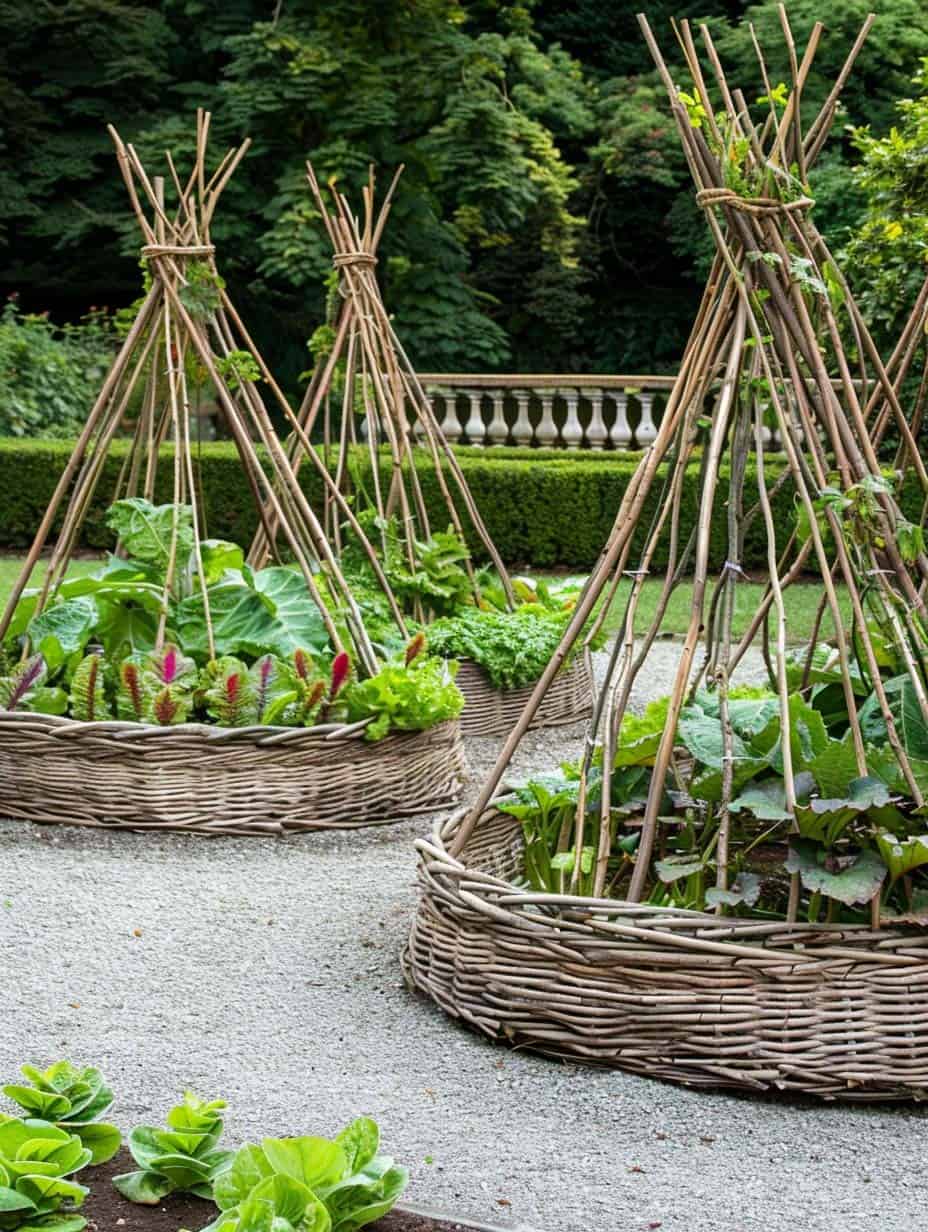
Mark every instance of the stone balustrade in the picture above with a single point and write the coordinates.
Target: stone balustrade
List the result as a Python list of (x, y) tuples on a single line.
[(570, 411)]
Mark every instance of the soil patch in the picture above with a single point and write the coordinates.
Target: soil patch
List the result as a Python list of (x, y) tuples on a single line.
[(106, 1210)]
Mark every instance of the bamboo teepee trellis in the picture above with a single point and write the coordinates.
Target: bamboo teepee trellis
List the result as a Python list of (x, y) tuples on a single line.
[(379, 386), (767, 336), (191, 776), (151, 364), (621, 975)]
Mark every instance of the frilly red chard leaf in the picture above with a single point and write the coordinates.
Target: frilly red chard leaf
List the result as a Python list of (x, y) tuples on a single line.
[(88, 701), (25, 679)]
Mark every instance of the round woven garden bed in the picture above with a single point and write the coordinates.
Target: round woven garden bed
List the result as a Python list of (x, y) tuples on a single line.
[(494, 712), (836, 1011), (210, 780)]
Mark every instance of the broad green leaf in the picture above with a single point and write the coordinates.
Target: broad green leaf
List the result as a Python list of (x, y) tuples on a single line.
[(102, 1140), (834, 768), (901, 855), (45, 1104), (62, 630), (808, 737), (146, 531), (826, 820), (907, 715), (744, 889), (366, 1196), (13, 1200), (298, 615), (640, 735), (315, 1162), (765, 800), (675, 867), (243, 622), (220, 557), (850, 883), (144, 1187), (249, 1166), (359, 1141)]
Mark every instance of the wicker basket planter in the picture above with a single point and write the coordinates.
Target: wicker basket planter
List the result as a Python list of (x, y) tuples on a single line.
[(208, 780), (494, 712), (838, 1012)]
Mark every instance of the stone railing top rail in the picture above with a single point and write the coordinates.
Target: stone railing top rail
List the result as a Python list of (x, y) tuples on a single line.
[(547, 380)]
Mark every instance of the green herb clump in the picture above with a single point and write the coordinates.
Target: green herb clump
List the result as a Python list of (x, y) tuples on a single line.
[(72, 1098), (309, 1184), (513, 648), (411, 693), (184, 1157)]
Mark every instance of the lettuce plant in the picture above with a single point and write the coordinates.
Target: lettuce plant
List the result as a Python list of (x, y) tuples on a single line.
[(72, 1098), (406, 696), (309, 1184), (36, 1160), (183, 1157)]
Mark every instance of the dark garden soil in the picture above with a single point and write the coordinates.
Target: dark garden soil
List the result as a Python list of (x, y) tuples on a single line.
[(107, 1211)]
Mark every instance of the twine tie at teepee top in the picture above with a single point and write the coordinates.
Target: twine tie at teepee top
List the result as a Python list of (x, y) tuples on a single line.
[(177, 250), (343, 260), (760, 206)]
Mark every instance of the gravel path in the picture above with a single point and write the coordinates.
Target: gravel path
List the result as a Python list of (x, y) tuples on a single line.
[(266, 972)]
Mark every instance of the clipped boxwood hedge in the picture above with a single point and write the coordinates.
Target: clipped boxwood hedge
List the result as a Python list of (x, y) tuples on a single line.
[(543, 507)]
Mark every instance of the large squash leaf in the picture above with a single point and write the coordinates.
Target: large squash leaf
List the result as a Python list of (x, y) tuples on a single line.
[(850, 882)]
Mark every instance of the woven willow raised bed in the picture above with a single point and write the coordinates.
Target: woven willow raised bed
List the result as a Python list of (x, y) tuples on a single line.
[(494, 712), (209, 780), (838, 1012)]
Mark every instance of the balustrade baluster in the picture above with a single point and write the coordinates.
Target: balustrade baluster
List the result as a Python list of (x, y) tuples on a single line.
[(450, 424), (474, 428), (621, 429), (546, 432), (646, 432), (597, 434), (522, 428), (497, 429), (572, 431)]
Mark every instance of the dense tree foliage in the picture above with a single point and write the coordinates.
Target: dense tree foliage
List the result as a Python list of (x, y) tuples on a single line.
[(545, 219)]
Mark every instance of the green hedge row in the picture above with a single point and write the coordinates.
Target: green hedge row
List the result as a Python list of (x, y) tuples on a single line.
[(543, 507)]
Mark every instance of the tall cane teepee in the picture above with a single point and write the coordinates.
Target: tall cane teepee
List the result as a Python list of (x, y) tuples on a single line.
[(768, 337), (379, 388), (581, 917), (250, 775), (188, 315)]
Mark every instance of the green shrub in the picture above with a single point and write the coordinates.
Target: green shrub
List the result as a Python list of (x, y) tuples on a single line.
[(543, 508), (50, 376)]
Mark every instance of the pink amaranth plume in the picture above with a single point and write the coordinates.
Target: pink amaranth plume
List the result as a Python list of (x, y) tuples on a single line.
[(340, 667), (169, 665)]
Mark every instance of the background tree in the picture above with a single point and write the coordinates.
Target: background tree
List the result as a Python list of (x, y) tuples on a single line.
[(544, 220)]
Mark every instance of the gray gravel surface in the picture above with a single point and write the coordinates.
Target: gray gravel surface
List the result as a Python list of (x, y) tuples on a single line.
[(266, 971)]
